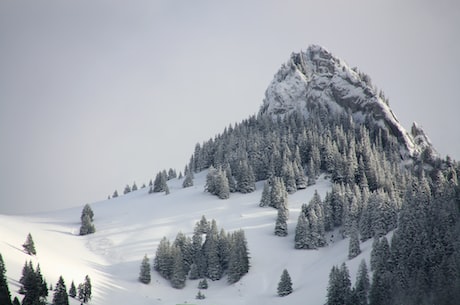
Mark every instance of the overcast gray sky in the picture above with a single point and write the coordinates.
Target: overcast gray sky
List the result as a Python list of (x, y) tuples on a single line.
[(95, 94)]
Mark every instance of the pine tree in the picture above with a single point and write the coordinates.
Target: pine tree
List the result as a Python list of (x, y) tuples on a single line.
[(285, 284), (339, 288), (87, 216), (362, 285), (353, 247), (188, 181), (84, 290), (200, 296), (5, 296), (115, 194), (163, 261), (265, 199), (72, 290), (144, 274), (33, 286), (127, 189), (29, 246), (134, 187), (281, 228), (60, 293), (300, 239), (87, 227), (178, 275), (203, 284)]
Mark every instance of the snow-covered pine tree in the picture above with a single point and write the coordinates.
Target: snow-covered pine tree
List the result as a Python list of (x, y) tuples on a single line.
[(278, 194), (144, 274), (339, 287), (163, 261), (87, 216), (29, 246), (281, 228), (353, 246), (87, 227), (188, 181), (203, 284), (127, 189), (265, 199), (60, 293), (178, 275), (285, 284), (300, 238), (115, 194), (239, 257), (362, 285), (159, 184), (134, 187)]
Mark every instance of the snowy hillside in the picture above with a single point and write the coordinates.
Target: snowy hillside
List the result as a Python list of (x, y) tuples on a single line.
[(132, 225)]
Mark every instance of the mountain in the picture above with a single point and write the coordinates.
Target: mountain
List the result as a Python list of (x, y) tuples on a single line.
[(316, 78), (332, 165)]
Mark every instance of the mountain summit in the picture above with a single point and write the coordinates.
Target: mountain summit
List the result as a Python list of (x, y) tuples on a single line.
[(315, 78)]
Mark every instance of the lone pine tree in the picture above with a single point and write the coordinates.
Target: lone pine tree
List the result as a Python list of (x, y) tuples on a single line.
[(29, 246), (285, 284)]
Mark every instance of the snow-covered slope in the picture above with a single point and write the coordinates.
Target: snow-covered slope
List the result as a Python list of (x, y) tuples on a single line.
[(315, 77), (132, 225)]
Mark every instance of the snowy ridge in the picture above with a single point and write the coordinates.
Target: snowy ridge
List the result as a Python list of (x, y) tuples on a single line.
[(316, 77), (132, 225)]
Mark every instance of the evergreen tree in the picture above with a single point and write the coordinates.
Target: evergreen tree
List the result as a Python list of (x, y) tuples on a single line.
[(265, 199), (84, 290), (300, 239), (239, 257), (188, 181), (203, 284), (115, 194), (178, 275), (87, 211), (362, 285), (72, 290), (87, 227), (200, 296), (87, 216), (127, 189), (353, 247), (134, 187), (60, 293), (5, 296), (163, 261), (285, 284), (339, 288), (144, 274), (281, 228), (193, 275), (29, 246), (159, 184), (33, 286)]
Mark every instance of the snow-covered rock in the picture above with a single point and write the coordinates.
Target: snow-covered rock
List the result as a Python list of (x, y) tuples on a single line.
[(316, 77)]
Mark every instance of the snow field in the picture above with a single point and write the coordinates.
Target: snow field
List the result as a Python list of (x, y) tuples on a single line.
[(130, 226)]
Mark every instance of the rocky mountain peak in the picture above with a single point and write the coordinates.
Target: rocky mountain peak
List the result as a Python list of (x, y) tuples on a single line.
[(315, 77)]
